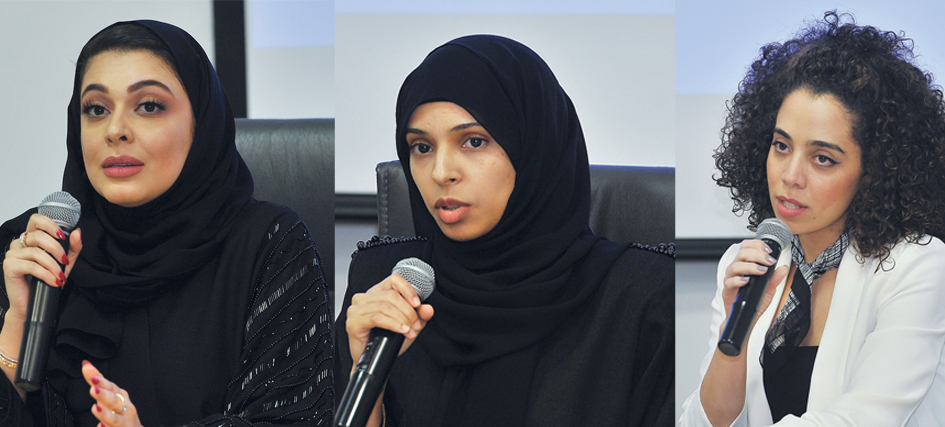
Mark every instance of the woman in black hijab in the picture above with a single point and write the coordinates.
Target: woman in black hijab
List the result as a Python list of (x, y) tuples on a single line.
[(537, 320), (191, 303)]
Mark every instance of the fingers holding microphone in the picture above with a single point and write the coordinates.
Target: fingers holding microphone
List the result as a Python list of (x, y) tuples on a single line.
[(749, 283), (381, 325), (392, 304), (39, 253), (753, 259)]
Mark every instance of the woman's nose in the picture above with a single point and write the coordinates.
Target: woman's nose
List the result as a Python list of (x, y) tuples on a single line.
[(793, 174), (118, 129), (446, 168)]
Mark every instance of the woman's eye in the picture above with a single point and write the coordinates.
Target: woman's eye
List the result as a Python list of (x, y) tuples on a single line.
[(93, 110), (151, 107), (475, 142), (780, 146), (421, 148), (824, 160)]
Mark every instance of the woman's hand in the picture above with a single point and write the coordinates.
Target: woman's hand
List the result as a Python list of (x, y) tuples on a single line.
[(37, 253), (391, 304), (113, 406), (722, 392), (753, 259)]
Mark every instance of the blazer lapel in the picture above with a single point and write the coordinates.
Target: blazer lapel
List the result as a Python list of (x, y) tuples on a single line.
[(830, 366)]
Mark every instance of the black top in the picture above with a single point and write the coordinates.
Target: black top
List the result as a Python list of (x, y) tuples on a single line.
[(788, 387), (244, 340), (609, 364)]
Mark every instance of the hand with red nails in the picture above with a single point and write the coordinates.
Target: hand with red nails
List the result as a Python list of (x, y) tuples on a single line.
[(113, 406), (37, 253)]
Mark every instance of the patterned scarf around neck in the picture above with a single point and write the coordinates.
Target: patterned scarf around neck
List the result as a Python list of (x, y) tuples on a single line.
[(793, 322)]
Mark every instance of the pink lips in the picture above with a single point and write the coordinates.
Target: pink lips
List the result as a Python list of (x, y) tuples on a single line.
[(789, 208), (451, 210), (122, 166)]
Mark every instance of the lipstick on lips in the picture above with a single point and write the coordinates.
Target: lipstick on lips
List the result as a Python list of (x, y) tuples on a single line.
[(121, 166), (451, 210), (789, 208)]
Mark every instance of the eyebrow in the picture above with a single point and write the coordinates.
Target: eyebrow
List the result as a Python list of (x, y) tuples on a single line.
[(454, 129), (817, 143), (132, 88), (145, 83)]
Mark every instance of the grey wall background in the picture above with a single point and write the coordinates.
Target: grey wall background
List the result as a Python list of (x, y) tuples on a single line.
[(617, 68)]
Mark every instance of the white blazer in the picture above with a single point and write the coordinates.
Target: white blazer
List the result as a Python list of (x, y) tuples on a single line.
[(880, 361)]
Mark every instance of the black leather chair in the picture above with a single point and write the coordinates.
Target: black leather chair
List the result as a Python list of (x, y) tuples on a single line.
[(628, 203), (293, 164)]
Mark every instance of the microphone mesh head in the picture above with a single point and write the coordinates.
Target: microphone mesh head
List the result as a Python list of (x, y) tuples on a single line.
[(419, 274), (62, 208), (775, 229)]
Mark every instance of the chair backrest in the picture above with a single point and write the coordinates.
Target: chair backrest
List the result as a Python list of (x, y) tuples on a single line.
[(293, 164), (628, 203)]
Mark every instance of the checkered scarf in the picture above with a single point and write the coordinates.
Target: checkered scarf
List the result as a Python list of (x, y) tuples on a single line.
[(793, 322)]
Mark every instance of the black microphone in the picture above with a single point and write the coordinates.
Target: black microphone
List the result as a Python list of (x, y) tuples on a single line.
[(776, 234), (42, 311), (379, 354)]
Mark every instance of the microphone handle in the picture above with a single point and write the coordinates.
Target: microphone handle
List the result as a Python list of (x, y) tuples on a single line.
[(369, 378), (745, 308), (38, 329)]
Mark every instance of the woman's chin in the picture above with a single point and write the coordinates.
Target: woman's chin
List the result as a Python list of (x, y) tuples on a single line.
[(125, 199)]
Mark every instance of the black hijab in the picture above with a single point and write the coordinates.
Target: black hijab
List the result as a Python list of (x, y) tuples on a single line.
[(132, 255), (505, 291)]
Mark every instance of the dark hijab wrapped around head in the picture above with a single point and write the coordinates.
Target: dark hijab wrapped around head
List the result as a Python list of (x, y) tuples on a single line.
[(132, 255), (505, 291)]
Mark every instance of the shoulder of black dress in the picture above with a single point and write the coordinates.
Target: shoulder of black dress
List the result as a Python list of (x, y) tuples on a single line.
[(376, 241), (668, 249)]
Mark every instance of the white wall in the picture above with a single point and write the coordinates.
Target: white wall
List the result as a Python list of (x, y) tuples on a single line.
[(41, 41), (617, 68), (290, 59)]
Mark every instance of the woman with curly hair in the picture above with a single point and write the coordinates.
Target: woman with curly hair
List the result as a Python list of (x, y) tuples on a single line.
[(839, 135)]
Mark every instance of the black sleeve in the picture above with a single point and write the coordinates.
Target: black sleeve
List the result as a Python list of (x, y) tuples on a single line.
[(285, 375), (653, 394)]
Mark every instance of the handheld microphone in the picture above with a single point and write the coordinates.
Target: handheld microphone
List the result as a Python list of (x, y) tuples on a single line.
[(383, 345), (42, 311), (776, 234)]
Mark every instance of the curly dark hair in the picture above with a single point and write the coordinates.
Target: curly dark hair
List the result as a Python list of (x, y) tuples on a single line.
[(898, 123)]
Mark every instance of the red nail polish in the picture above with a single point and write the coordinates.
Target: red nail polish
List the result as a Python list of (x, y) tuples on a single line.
[(62, 276), (97, 391), (65, 259), (59, 283), (60, 235), (95, 380), (98, 408)]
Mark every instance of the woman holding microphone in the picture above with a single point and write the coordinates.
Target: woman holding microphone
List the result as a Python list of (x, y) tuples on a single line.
[(184, 301), (534, 320), (837, 134)]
